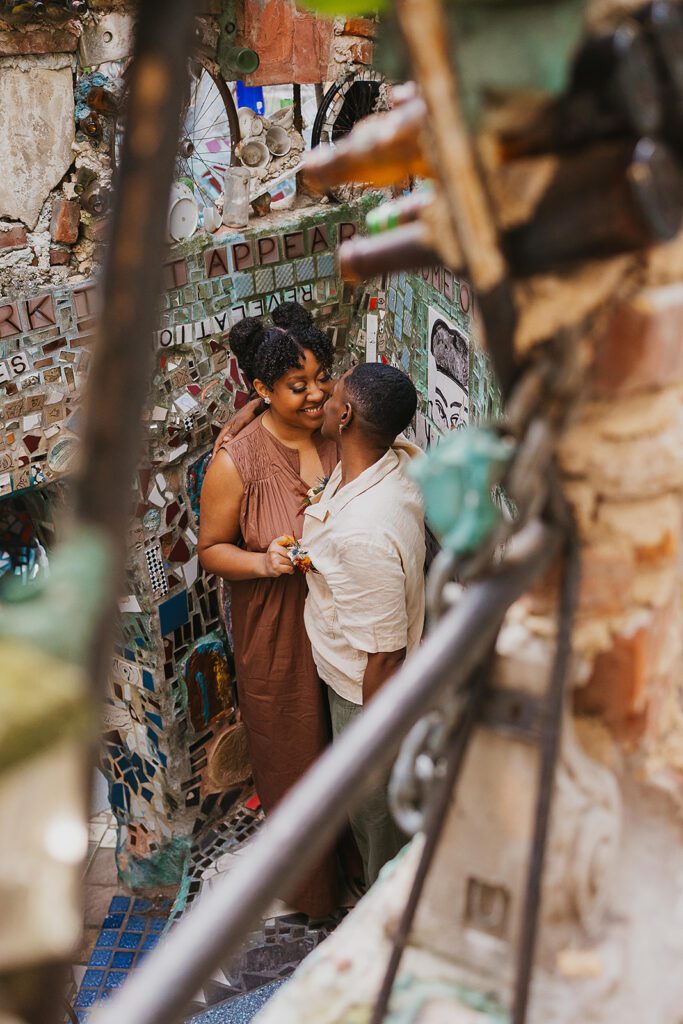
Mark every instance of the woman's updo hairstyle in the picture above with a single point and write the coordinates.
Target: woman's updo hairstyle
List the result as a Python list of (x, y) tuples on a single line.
[(266, 353)]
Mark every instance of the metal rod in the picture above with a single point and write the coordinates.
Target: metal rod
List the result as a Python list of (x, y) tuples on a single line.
[(550, 745), (309, 817), (441, 799)]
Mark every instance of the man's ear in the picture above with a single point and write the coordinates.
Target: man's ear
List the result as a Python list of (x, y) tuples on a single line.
[(346, 416)]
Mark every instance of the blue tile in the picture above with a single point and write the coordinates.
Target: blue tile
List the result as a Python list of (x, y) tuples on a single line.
[(130, 940), (100, 958), (136, 923), (92, 979), (147, 680), (113, 921), (157, 924), (119, 903), (123, 960), (173, 613), (81, 1016), (239, 1010), (150, 942), (115, 979), (141, 904), (107, 939), (86, 997)]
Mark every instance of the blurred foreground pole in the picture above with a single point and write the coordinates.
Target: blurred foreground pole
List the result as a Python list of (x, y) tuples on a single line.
[(122, 359)]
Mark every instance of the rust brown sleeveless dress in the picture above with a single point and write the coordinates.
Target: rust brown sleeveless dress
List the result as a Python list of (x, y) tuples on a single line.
[(281, 696)]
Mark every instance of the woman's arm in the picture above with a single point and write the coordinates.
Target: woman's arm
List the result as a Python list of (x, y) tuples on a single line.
[(219, 529), (239, 420)]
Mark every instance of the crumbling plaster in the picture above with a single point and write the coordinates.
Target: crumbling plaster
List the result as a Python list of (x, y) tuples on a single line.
[(36, 132)]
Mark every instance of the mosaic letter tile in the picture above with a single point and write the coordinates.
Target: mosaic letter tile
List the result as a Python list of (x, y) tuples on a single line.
[(268, 250)]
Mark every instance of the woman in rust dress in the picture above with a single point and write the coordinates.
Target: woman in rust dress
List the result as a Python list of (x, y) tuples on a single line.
[(252, 496)]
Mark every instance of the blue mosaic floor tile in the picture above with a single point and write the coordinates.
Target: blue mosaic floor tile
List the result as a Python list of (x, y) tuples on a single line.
[(92, 979), (113, 921), (130, 940), (100, 958), (132, 926), (119, 904), (86, 997), (123, 960), (115, 979)]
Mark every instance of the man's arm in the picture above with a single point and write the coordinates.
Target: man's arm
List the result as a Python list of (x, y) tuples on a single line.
[(381, 666)]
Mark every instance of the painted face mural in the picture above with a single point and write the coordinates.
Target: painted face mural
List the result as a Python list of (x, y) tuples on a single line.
[(448, 373)]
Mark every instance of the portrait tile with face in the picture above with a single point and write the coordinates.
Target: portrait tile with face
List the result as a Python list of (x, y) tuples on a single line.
[(447, 373)]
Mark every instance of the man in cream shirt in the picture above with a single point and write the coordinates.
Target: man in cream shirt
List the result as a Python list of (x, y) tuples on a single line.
[(365, 537)]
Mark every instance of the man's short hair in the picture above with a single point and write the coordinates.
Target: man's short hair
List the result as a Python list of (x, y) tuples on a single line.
[(384, 396)]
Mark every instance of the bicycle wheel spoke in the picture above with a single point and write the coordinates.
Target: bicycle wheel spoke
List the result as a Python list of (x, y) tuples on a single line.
[(199, 120)]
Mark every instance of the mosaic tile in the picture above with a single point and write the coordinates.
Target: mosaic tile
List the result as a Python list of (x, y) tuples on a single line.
[(243, 285), (284, 275), (264, 280), (305, 269), (325, 265)]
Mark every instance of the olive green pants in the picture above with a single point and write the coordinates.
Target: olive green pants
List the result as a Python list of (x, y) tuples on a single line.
[(376, 833)]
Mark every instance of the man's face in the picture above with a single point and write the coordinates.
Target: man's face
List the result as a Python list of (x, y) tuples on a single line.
[(333, 409)]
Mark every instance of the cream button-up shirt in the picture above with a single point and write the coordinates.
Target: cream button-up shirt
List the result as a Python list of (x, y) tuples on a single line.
[(366, 541)]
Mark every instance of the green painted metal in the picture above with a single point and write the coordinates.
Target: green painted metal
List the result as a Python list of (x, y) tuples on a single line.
[(458, 478)]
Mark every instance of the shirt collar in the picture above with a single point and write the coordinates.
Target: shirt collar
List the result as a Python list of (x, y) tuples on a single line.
[(333, 500)]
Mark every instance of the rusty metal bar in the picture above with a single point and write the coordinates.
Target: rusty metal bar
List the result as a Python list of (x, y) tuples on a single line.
[(308, 819)]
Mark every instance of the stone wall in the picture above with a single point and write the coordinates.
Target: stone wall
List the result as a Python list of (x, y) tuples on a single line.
[(58, 149)]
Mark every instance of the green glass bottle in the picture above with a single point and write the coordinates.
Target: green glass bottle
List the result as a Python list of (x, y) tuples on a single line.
[(240, 58)]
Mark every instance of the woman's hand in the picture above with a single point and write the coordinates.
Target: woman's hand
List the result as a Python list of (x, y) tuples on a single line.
[(276, 559), (241, 419)]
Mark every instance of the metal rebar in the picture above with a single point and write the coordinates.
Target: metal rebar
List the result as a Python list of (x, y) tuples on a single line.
[(550, 745), (441, 798), (305, 823)]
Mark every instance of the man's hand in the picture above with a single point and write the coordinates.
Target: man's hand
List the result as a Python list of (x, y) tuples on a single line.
[(380, 667), (276, 559), (241, 419)]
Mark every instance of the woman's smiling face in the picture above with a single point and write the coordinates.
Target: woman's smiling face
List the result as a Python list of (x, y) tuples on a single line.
[(299, 395)]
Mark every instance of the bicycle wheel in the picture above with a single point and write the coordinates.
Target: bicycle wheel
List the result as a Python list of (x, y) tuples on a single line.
[(358, 94), (209, 132)]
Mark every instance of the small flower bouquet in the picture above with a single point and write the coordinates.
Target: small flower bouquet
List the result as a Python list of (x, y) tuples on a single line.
[(298, 556)]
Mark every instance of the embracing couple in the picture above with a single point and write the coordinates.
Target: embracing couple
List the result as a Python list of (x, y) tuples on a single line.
[(310, 649)]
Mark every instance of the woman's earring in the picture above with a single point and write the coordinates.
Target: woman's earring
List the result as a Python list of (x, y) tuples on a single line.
[(267, 401)]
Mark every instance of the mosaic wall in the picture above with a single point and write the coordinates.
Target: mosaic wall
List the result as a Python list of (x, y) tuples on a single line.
[(425, 323), (172, 743), (174, 749)]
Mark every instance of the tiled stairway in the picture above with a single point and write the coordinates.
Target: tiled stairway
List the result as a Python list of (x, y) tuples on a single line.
[(269, 954), (129, 927)]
